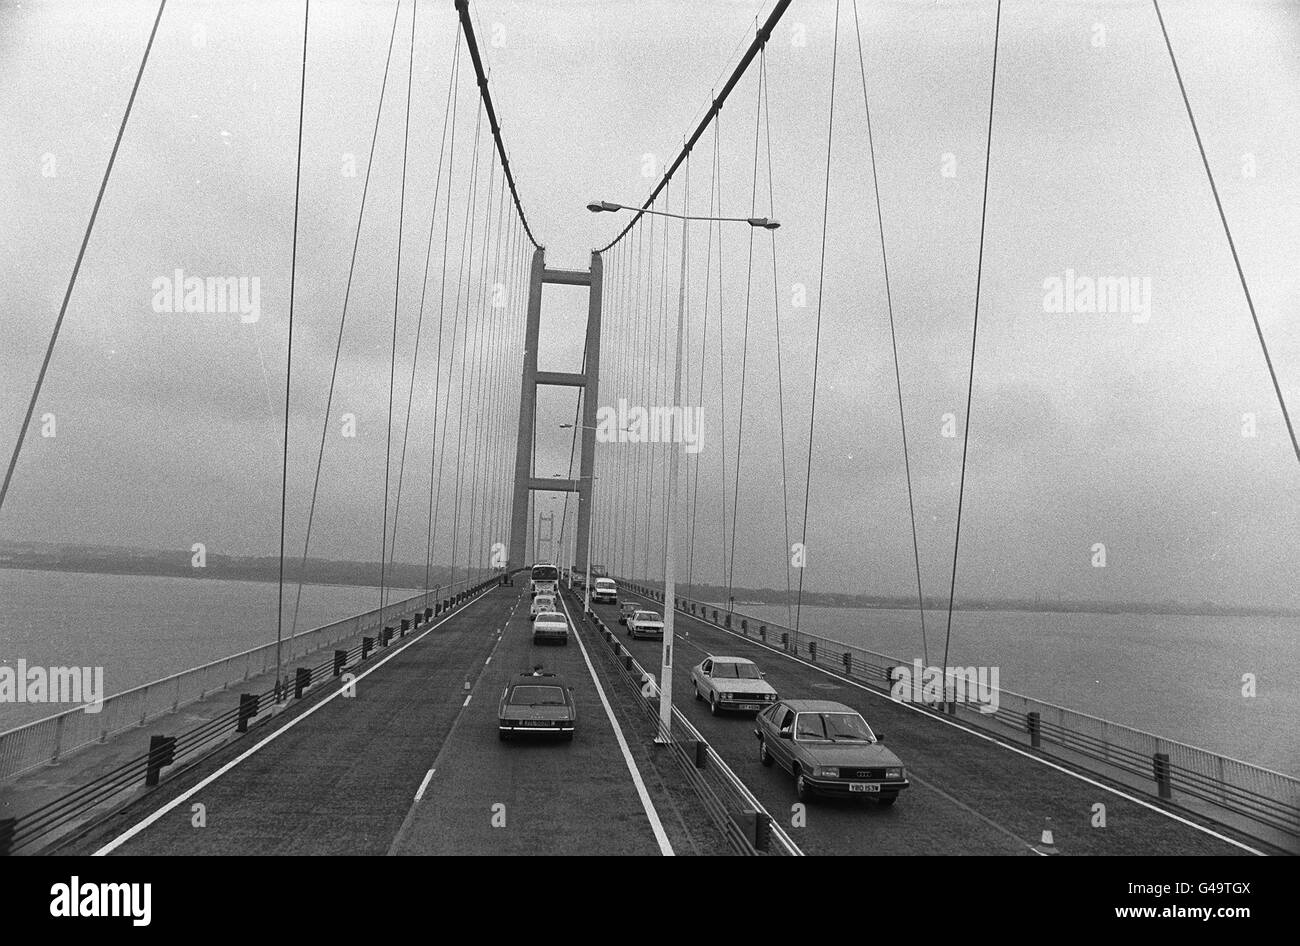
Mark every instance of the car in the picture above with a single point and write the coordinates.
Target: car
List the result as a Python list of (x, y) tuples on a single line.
[(732, 683), (604, 590), (541, 603), (550, 626), (537, 703), (829, 749), (645, 624), (625, 609)]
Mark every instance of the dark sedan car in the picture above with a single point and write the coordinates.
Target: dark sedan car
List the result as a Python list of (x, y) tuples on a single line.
[(537, 703), (829, 749)]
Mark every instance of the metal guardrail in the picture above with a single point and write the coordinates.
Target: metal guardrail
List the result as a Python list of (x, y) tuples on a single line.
[(1264, 796), (73, 809), (45, 741), (742, 819)]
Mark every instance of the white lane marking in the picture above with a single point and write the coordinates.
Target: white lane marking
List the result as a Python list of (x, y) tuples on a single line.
[(424, 784), (777, 830), (489, 660), (987, 738), (127, 835), (665, 846), (467, 699)]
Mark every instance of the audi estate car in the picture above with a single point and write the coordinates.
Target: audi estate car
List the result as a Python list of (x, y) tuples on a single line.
[(732, 683), (550, 626), (829, 749), (541, 603), (537, 703), (625, 610), (645, 624)]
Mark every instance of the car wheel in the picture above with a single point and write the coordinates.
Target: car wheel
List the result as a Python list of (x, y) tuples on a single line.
[(887, 800), (763, 755), (697, 692), (568, 737), (713, 704), (503, 734), (801, 789)]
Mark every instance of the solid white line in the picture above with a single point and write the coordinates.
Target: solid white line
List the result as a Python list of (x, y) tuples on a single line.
[(423, 785), (665, 846), (993, 739), (127, 835)]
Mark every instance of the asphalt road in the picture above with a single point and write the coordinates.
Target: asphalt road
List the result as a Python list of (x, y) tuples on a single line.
[(532, 796), (968, 795), (341, 778)]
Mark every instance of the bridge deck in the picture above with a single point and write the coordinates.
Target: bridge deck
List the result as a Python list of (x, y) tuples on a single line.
[(340, 775), (968, 795), (411, 764)]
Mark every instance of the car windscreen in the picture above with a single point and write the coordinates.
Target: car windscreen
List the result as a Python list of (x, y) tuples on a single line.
[(736, 671), (536, 696), (648, 616), (833, 727)]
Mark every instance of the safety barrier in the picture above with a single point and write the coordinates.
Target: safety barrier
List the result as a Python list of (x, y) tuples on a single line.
[(1261, 795), (32, 827), (47, 740), (743, 821)]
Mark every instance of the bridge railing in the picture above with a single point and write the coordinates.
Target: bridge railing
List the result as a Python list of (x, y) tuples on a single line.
[(46, 740), (1261, 795)]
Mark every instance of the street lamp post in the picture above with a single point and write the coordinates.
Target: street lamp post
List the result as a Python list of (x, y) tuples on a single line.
[(670, 553)]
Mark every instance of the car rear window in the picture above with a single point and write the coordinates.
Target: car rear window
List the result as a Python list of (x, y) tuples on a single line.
[(551, 616), (536, 696)]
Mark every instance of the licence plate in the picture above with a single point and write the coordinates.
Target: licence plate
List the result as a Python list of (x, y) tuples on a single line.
[(863, 787), (536, 722), (749, 706)]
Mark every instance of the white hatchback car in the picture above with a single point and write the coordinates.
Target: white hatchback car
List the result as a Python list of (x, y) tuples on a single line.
[(542, 603), (550, 626)]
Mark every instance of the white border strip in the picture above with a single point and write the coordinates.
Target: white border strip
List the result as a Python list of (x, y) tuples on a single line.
[(665, 846)]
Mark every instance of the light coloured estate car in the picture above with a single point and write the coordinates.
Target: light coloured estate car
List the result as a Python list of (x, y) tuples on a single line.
[(541, 603), (550, 626), (645, 624), (829, 749), (732, 683), (604, 590)]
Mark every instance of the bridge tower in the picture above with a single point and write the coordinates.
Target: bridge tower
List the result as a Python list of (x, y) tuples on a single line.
[(525, 482)]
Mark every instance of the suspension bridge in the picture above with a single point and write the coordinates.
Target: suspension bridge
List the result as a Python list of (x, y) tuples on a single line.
[(716, 445)]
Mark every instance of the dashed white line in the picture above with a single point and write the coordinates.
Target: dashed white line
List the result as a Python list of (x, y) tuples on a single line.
[(424, 784)]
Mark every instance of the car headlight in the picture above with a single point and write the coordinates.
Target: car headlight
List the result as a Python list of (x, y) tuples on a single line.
[(827, 771), (896, 772)]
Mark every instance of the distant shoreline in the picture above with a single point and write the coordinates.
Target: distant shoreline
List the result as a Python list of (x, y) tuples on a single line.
[(157, 564)]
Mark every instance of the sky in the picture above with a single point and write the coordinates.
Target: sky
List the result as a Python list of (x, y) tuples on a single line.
[(1086, 429)]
